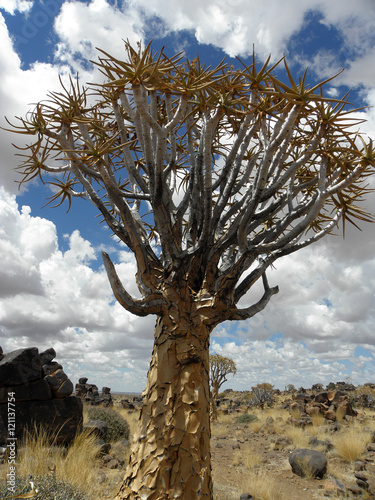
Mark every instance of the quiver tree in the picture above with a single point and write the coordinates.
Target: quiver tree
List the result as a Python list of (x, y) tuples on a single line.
[(220, 367), (208, 176), (262, 394)]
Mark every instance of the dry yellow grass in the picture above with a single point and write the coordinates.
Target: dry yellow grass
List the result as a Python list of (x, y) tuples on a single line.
[(370, 419), (246, 458), (39, 456), (350, 443), (262, 486), (220, 426), (299, 437), (131, 416), (317, 421)]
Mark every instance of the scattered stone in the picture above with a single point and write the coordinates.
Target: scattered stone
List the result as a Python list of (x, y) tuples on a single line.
[(127, 405), (359, 465), (315, 442), (308, 463), (281, 442), (355, 489), (363, 484), (313, 411), (97, 427), (334, 488), (360, 475)]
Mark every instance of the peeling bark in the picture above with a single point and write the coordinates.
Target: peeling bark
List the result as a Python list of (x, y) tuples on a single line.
[(170, 455)]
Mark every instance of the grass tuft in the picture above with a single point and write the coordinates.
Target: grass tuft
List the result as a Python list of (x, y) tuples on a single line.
[(39, 454), (351, 443), (262, 487)]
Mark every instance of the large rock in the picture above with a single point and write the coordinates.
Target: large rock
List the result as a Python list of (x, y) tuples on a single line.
[(56, 379), (41, 390), (64, 390), (62, 418), (20, 367), (37, 391), (308, 463), (49, 368), (48, 355)]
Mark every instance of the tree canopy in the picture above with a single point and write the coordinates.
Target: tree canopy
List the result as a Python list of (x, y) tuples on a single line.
[(220, 367), (207, 174)]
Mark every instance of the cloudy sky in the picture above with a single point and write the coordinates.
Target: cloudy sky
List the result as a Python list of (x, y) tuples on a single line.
[(53, 289)]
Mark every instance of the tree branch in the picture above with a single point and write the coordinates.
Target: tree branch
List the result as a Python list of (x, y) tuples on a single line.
[(248, 312), (150, 304)]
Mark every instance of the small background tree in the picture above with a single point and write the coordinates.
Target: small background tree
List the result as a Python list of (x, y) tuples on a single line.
[(261, 395), (220, 367)]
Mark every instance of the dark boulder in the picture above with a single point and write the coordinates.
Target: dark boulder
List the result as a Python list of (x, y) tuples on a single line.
[(64, 390), (61, 418), (322, 397), (51, 367), (48, 355), (39, 390), (308, 463)]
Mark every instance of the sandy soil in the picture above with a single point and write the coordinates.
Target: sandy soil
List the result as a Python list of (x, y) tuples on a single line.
[(234, 446)]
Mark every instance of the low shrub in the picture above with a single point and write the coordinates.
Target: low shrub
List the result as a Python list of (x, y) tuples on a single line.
[(118, 427), (49, 488), (247, 418)]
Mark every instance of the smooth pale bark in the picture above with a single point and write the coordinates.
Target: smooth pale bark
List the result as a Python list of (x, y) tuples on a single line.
[(170, 456)]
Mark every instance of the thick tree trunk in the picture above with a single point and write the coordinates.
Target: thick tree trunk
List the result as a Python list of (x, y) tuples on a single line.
[(170, 456)]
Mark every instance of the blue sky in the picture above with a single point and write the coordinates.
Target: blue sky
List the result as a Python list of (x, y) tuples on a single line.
[(53, 289)]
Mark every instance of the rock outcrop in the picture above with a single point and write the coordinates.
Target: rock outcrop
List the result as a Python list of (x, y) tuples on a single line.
[(89, 393), (41, 394), (334, 405)]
